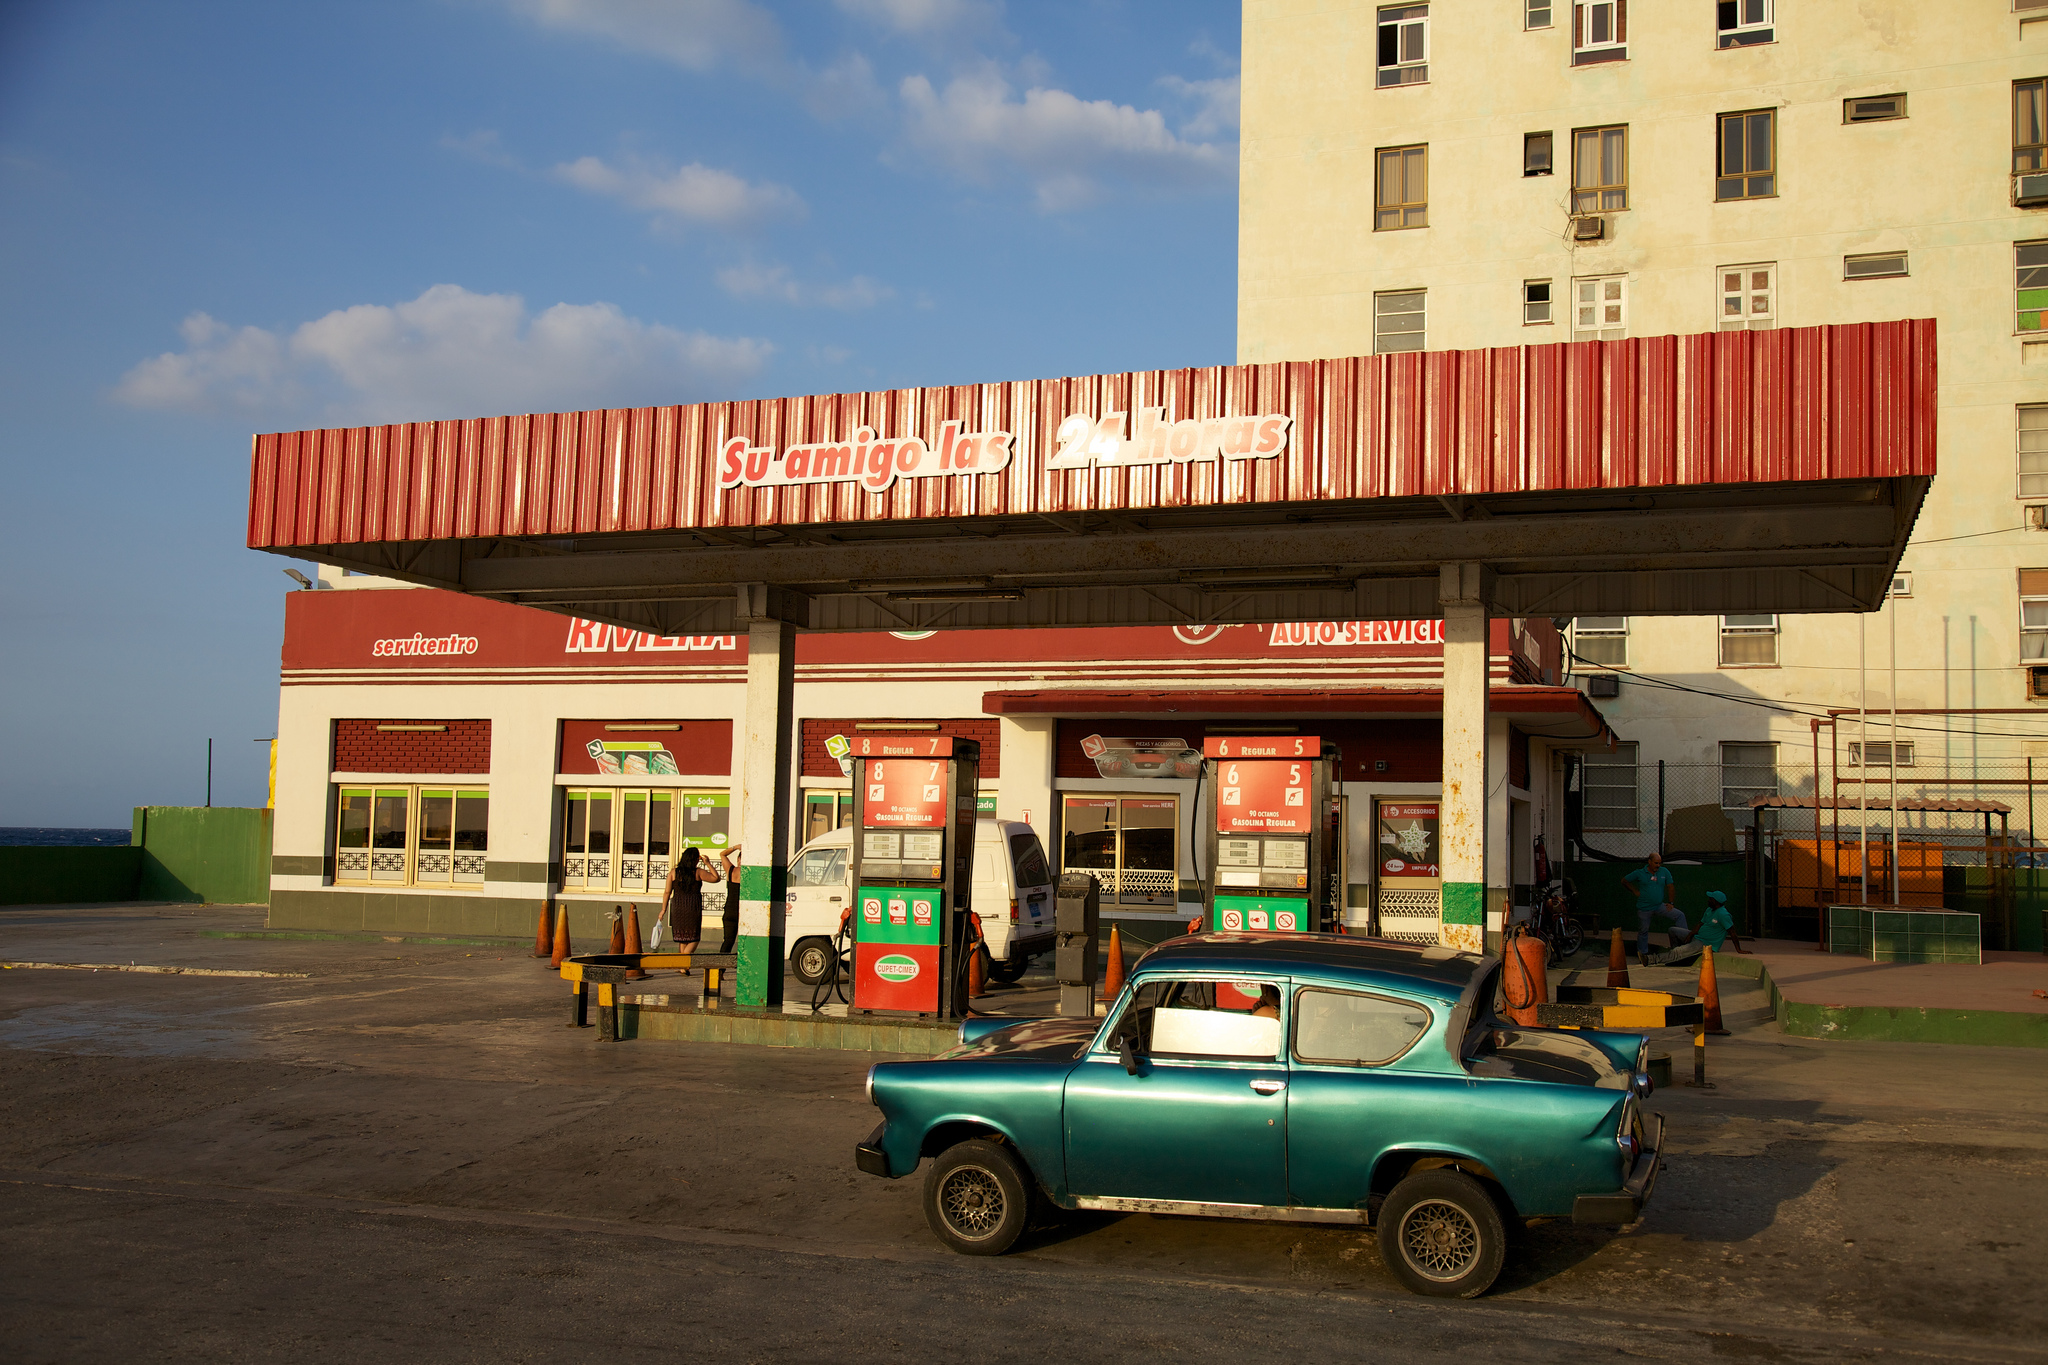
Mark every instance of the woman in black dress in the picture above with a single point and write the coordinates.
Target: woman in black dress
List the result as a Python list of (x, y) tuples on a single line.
[(683, 898)]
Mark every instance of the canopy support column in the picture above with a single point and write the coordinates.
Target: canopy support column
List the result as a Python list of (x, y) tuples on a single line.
[(766, 762), (1461, 592)]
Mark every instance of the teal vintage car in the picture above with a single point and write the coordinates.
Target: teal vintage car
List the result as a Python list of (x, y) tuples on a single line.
[(1310, 1077)]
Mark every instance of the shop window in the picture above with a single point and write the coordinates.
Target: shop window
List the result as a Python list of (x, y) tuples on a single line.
[(1397, 321), (1743, 23), (825, 811), (1536, 156), (1747, 772), (2029, 126), (2033, 450), (1749, 297), (1880, 753), (1599, 170), (2030, 263), (412, 836), (1535, 303), (1599, 31), (2033, 616), (1608, 783), (1536, 13), (1130, 844), (1401, 189), (1404, 45), (1601, 640), (1749, 641), (1746, 165), (625, 840), (1600, 308)]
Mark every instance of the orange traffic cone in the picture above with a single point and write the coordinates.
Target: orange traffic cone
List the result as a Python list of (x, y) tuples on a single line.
[(562, 948), (1526, 981), (633, 941), (977, 964), (1617, 961), (1113, 972), (618, 930), (544, 935), (1710, 995)]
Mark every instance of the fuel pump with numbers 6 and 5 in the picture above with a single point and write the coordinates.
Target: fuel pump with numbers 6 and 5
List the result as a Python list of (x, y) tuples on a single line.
[(1272, 846)]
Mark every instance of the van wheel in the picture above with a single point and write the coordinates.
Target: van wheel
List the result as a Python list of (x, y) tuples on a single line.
[(977, 1198), (811, 960), (1441, 1234), (1011, 972)]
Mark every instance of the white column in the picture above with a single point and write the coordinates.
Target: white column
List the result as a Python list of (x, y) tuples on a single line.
[(766, 765), (1025, 789), (1462, 831)]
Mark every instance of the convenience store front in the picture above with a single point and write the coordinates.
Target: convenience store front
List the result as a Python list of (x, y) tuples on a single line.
[(449, 764)]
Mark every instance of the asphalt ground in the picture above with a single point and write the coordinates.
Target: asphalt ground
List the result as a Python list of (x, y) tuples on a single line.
[(405, 1152)]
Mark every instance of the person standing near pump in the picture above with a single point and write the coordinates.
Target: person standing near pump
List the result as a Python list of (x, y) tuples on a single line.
[(729, 918), (1656, 894), (683, 899)]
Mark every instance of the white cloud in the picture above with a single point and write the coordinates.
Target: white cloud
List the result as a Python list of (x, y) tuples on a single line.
[(1067, 146), (843, 89), (926, 17), (775, 282), (482, 145), (697, 35), (447, 353), (1215, 102), (693, 194)]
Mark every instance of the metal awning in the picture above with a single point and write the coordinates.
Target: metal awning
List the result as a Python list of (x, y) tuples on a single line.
[(1773, 471), (1879, 804)]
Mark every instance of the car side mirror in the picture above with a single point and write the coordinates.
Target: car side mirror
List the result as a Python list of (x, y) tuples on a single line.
[(1129, 1052)]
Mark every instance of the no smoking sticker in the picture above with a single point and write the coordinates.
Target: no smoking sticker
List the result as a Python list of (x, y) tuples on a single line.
[(1233, 919)]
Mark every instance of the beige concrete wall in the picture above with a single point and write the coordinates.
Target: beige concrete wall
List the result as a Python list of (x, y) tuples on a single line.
[(1935, 184)]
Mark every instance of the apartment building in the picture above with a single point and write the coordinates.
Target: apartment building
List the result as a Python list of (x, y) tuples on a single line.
[(1485, 172)]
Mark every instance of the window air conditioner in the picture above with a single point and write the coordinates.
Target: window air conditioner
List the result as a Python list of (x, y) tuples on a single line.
[(1607, 685), (2030, 191), (2037, 683), (1595, 229), (2037, 517)]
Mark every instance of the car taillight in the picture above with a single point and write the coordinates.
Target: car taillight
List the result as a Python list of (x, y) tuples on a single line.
[(1630, 1148), (1013, 910)]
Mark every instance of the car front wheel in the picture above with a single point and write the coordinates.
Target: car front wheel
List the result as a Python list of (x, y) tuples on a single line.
[(977, 1198), (811, 960), (1009, 973), (1441, 1234)]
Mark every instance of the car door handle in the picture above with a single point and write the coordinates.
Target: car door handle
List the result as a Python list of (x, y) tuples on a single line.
[(1269, 1087)]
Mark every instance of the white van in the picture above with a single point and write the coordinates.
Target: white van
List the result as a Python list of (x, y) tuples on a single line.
[(1012, 898)]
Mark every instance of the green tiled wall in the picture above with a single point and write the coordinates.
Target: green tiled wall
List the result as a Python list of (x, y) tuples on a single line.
[(1887, 935)]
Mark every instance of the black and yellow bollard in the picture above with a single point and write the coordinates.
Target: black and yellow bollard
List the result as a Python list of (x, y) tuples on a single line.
[(579, 1005), (714, 980), (607, 1013)]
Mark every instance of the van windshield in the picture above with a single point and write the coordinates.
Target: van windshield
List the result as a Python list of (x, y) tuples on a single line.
[(1027, 855)]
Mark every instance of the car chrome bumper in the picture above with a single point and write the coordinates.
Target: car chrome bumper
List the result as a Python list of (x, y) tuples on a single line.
[(1626, 1205), (869, 1155)]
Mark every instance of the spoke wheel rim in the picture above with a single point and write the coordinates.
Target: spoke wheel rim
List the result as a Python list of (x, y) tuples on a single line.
[(1439, 1241), (971, 1201)]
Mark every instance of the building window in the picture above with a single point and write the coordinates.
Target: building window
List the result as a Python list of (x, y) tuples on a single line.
[(1401, 191), (1749, 297), (1600, 308), (2030, 125), (1743, 23), (1876, 265), (1404, 45), (825, 811), (1749, 641), (1747, 772), (1130, 844), (1880, 751), (2033, 616), (1536, 154), (1874, 108), (1748, 156), (1536, 13), (2033, 442), (1397, 321), (1601, 640), (412, 836), (1608, 783), (1535, 302), (1599, 170), (625, 840), (1599, 31), (2031, 281), (1902, 585)]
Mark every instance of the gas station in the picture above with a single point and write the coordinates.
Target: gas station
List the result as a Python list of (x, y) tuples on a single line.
[(1735, 472)]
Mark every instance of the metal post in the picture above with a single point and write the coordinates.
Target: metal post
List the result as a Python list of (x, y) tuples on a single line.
[(765, 760), (1863, 759), (209, 774), (1660, 807), (1898, 873), (1462, 832)]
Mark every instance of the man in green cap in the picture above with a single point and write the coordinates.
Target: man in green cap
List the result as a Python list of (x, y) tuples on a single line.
[(1715, 927)]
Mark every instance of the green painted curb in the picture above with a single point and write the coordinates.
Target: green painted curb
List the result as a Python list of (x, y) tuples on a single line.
[(1905, 1024), (315, 936), (686, 1024)]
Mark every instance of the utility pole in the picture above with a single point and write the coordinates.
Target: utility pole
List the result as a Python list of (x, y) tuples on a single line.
[(209, 774)]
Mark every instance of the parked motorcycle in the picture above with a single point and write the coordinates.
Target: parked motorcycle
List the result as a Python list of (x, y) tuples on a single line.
[(1556, 919)]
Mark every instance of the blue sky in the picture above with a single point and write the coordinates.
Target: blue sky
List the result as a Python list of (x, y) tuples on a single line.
[(227, 218)]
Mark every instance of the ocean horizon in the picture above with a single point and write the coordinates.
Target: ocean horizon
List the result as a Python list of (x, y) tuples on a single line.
[(52, 836)]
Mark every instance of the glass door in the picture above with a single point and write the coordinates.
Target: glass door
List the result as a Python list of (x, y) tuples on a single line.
[(435, 859), (388, 828)]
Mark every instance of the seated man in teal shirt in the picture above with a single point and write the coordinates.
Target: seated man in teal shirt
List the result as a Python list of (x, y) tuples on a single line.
[(1715, 927), (1656, 894)]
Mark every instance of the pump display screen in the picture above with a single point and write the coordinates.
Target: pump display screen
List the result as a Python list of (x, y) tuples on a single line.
[(1276, 863)]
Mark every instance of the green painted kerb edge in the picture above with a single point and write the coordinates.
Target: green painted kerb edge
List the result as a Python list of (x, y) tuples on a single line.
[(1464, 902)]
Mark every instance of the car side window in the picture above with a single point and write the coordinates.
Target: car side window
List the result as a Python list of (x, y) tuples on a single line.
[(1354, 1030), (1201, 1019)]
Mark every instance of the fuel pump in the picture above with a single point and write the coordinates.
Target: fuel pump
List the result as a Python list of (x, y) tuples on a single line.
[(913, 863), (1273, 843)]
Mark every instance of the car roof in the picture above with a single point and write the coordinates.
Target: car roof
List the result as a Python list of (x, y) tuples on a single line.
[(1337, 959)]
